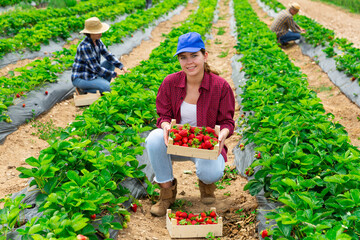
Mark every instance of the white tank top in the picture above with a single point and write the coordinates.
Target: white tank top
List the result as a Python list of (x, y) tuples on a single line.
[(188, 113)]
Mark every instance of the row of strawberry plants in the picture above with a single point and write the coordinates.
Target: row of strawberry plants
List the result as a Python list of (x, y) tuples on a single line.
[(74, 166), (317, 35), (306, 161), (4, 3), (13, 21), (52, 29), (42, 71)]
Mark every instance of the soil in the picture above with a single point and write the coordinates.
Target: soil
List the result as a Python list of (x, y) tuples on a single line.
[(23, 144)]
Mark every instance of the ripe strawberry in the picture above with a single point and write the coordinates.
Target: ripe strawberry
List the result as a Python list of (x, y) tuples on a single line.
[(203, 214), (81, 237), (178, 213), (174, 130), (247, 172), (209, 221), (191, 136), (93, 217), (46, 92), (185, 145), (134, 207), (23, 104), (193, 222), (206, 138), (212, 214), (18, 95), (199, 137), (183, 133), (184, 139), (210, 130), (258, 155), (183, 215), (207, 145), (177, 143), (178, 137), (353, 78), (264, 233), (191, 216)]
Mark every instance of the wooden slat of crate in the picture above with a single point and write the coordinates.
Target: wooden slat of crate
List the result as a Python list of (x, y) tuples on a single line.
[(193, 152), (86, 99), (193, 231)]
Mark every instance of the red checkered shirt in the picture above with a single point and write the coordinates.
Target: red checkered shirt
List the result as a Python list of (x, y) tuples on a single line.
[(215, 106)]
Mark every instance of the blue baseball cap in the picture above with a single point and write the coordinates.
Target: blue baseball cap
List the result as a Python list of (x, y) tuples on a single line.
[(189, 42)]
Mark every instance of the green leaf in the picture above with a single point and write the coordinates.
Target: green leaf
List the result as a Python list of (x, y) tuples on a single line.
[(285, 229), (34, 229), (254, 186)]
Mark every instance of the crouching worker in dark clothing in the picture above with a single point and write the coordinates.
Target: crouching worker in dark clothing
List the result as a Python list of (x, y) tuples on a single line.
[(285, 27), (88, 74)]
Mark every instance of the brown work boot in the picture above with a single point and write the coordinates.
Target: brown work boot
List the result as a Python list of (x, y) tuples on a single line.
[(207, 192), (167, 197)]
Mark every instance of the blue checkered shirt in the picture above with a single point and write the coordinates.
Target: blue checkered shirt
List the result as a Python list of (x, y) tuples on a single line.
[(87, 61)]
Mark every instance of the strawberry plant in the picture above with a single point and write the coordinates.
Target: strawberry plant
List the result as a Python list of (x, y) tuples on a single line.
[(10, 214), (307, 162), (13, 21)]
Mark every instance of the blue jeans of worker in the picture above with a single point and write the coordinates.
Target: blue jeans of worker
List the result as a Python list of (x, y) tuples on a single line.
[(289, 36), (208, 171), (99, 83)]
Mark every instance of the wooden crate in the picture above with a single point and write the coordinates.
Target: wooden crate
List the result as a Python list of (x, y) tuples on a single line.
[(85, 99), (193, 231), (193, 152)]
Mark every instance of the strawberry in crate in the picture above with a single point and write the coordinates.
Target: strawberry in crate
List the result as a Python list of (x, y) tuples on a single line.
[(194, 137)]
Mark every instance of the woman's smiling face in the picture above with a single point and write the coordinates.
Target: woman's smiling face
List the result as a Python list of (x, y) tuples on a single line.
[(192, 63)]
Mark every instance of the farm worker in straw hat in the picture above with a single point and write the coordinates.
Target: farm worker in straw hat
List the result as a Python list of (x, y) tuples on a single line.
[(197, 96), (284, 25), (88, 74)]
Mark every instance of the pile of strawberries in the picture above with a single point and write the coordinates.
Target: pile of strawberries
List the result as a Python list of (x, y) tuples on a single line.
[(184, 218), (195, 137)]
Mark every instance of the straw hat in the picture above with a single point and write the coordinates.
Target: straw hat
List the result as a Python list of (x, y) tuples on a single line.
[(294, 6), (94, 26)]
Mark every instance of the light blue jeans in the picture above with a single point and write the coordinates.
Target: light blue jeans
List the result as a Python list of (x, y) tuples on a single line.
[(208, 171), (99, 83), (289, 36)]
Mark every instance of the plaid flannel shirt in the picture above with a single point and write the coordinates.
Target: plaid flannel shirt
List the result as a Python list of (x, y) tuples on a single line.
[(283, 22), (215, 106), (87, 61)]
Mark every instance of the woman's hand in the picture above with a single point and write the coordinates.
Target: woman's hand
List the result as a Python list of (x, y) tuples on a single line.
[(166, 127), (222, 136), (126, 70)]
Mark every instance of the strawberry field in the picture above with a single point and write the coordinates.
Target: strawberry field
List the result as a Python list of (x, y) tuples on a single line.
[(82, 173)]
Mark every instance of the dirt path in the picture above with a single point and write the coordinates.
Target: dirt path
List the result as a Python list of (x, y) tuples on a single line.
[(344, 23), (346, 112), (21, 144), (143, 226)]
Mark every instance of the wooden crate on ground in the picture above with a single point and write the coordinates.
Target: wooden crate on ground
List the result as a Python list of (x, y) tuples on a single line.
[(85, 99), (193, 152), (193, 231)]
